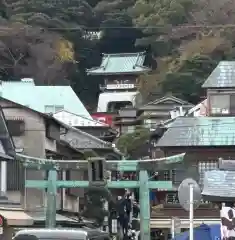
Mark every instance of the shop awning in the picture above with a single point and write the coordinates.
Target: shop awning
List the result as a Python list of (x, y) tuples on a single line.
[(16, 217)]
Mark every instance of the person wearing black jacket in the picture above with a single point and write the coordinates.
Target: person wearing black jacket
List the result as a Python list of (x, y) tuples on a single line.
[(128, 205), (122, 216), (136, 210)]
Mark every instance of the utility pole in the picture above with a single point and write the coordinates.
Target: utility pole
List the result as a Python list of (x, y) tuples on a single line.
[(96, 178)]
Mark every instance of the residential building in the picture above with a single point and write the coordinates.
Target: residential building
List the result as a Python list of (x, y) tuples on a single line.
[(94, 127), (40, 135), (220, 87), (127, 120), (44, 99), (11, 213), (204, 140), (162, 109), (151, 114), (34, 134), (120, 73)]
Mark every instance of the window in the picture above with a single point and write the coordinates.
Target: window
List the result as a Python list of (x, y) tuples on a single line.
[(49, 109), (53, 108), (220, 104), (116, 106), (167, 175), (16, 127), (164, 175), (58, 108), (172, 198), (2, 150), (130, 129), (204, 167), (176, 175), (15, 176), (52, 131), (148, 123)]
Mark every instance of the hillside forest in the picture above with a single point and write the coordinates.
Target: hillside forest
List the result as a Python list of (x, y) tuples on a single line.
[(183, 39)]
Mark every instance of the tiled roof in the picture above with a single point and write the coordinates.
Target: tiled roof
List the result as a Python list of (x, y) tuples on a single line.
[(169, 98), (200, 131), (219, 183), (75, 120), (120, 63), (223, 76), (37, 97)]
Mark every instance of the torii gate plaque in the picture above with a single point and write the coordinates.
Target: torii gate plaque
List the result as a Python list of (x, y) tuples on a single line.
[(142, 166)]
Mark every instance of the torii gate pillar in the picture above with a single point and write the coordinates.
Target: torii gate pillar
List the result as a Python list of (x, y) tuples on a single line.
[(144, 205)]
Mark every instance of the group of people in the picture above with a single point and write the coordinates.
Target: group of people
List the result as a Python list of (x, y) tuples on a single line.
[(127, 209)]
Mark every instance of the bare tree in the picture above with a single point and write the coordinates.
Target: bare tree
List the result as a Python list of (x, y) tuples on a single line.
[(30, 52)]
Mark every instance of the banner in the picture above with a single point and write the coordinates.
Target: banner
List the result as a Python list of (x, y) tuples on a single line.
[(227, 215)]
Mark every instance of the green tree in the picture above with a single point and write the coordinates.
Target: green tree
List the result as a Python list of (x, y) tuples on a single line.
[(185, 55), (196, 62), (94, 204), (128, 143)]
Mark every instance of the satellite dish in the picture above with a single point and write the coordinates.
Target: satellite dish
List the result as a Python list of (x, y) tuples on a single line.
[(184, 191)]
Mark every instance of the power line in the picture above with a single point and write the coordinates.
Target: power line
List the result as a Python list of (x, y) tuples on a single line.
[(148, 27), (97, 29)]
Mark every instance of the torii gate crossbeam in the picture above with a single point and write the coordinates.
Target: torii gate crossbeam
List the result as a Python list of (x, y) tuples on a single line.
[(144, 183)]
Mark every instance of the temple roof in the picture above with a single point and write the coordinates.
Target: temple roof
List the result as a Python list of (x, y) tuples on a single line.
[(120, 63)]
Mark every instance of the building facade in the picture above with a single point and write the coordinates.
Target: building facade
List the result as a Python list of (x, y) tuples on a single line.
[(162, 109), (204, 139), (94, 127), (120, 73), (34, 134), (40, 135)]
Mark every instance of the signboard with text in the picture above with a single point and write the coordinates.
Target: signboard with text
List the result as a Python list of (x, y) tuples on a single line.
[(120, 86)]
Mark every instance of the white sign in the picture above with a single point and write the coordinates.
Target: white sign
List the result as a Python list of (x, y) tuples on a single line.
[(1, 230), (120, 86)]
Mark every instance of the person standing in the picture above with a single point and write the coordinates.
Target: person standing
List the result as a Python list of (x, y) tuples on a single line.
[(128, 204)]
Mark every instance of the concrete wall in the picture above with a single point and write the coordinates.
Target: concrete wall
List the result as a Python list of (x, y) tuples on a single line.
[(33, 144)]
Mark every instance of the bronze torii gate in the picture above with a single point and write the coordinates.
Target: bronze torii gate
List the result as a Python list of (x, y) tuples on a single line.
[(144, 183)]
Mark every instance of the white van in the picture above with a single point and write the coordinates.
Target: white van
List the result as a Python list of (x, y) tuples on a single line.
[(61, 234)]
